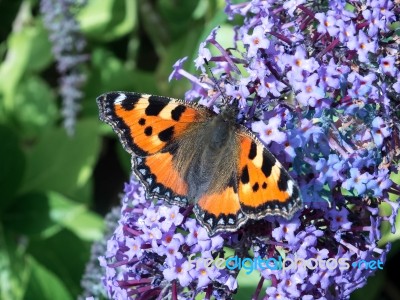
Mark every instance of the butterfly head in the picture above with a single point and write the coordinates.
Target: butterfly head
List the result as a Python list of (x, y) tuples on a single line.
[(229, 112)]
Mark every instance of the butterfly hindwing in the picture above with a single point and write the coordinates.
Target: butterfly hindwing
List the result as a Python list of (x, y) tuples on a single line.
[(160, 177), (221, 211), (265, 187)]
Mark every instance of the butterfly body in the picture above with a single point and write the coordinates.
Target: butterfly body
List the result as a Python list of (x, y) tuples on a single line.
[(187, 154), (214, 155)]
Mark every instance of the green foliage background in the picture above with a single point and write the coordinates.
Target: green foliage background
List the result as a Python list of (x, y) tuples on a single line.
[(50, 212)]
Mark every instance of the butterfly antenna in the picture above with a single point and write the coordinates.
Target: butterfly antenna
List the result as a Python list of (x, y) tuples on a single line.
[(215, 81)]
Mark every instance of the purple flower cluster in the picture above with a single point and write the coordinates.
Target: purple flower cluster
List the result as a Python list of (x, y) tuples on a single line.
[(149, 254), (91, 282), (316, 85), (68, 45)]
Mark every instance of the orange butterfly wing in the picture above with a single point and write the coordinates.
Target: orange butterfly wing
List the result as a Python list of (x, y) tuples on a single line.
[(149, 128), (265, 187), (221, 211)]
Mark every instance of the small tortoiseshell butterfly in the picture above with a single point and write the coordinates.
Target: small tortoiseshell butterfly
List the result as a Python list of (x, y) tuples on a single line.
[(188, 154)]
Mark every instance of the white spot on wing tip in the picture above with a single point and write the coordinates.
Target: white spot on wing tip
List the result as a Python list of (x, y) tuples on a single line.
[(120, 98), (290, 185)]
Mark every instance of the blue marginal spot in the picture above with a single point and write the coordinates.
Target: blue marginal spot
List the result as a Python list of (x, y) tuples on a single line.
[(354, 264)]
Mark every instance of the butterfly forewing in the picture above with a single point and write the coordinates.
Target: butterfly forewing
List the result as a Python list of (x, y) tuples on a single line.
[(146, 124), (150, 128)]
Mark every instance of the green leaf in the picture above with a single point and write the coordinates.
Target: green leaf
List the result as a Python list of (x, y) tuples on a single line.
[(111, 74), (65, 256), (201, 9), (40, 55), (177, 15), (386, 231), (107, 20), (44, 284), (178, 12), (30, 215), (386, 210), (45, 214), (28, 50), (8, 10), (180, 48), (63, 163), (12, 166), (75, 217), (36, 106), (14, 270)]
